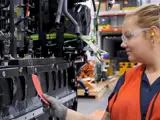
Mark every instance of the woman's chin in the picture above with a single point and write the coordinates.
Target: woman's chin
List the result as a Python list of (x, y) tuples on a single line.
[(131, 59)]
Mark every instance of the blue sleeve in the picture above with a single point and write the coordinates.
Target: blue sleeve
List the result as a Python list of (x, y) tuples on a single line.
[(116, 89)]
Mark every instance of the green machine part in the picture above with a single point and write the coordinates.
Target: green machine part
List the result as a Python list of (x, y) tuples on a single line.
[(53, 36)]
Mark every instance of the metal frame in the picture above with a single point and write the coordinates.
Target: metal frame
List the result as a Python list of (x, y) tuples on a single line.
[(18, 97), (66, 93)]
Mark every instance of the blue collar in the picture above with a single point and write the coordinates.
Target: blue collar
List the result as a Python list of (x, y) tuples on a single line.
[(145, 79)]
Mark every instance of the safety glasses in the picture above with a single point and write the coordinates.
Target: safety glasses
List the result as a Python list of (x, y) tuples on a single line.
[(132, 34)]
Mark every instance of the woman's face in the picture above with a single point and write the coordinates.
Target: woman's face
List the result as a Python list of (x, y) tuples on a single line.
[(134, 40)]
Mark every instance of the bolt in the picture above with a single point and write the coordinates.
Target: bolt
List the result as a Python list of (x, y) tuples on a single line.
[(52, 66), (57, 66), (20, 69), (73, 91), (5, 63), (35, 70), (3, 73)]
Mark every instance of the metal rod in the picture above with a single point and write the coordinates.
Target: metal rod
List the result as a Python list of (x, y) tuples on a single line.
[(59, 12), (65, 11), (12, 30)]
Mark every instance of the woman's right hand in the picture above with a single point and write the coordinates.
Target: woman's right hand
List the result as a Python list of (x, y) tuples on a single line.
[(56, 109)]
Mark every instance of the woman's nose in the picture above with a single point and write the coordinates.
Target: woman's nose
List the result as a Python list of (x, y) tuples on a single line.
[(123, 44)]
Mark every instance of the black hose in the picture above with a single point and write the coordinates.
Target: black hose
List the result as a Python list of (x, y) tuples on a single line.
[(66, 13), (94, 5)]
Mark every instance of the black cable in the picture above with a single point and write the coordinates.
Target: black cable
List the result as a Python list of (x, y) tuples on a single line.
[(87, 14), (83, 17), (87, 19), (94, 5)]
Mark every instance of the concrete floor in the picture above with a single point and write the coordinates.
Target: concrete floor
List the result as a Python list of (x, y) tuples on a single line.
[(90, 105)]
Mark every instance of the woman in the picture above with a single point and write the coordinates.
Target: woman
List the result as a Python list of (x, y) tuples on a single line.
[(136, 95)]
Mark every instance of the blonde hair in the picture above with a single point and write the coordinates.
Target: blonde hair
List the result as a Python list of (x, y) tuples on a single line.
[(148, 15)]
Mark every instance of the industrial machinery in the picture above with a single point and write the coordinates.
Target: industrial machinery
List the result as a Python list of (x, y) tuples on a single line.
[(39, 37)]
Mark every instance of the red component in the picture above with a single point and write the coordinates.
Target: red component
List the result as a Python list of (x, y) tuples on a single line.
[(37, 85)]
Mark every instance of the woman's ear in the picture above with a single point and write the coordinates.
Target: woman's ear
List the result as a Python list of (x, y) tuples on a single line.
[(154, 35), (155, 32)]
